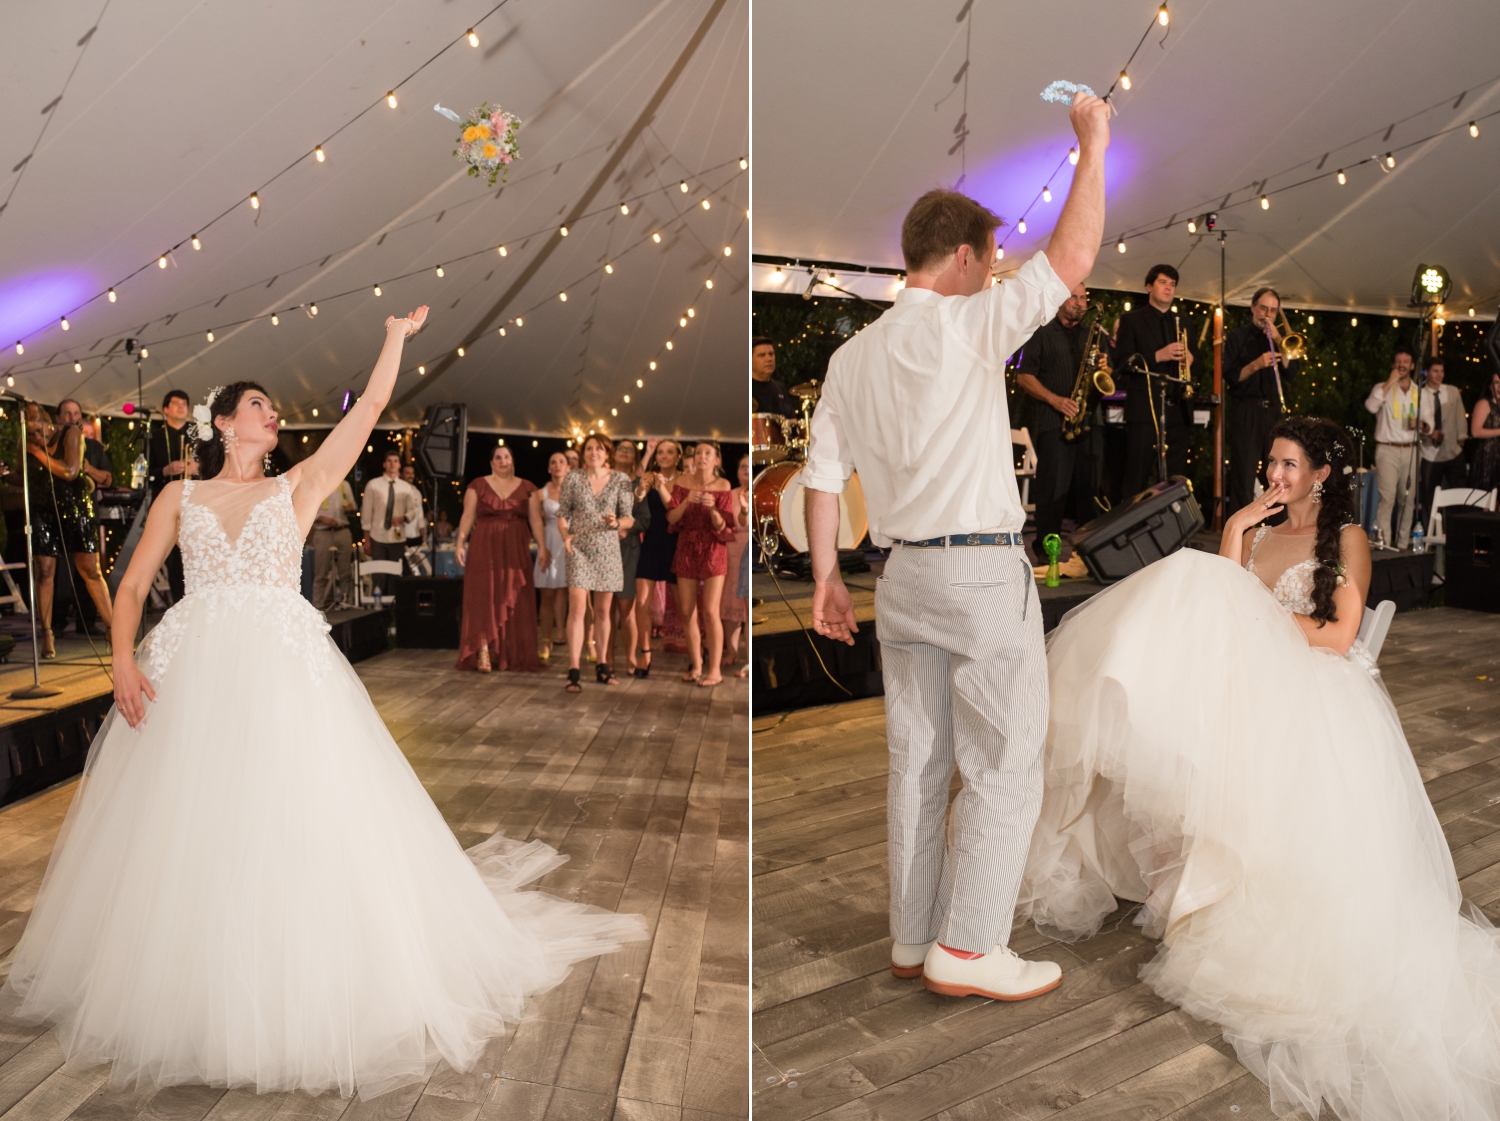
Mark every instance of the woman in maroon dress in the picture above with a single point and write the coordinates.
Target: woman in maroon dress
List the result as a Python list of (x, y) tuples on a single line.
[(700, 510), (494, 546)]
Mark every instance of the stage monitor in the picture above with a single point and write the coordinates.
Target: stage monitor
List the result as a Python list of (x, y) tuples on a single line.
[(443, 440), (1473, 558), (1152, 525)]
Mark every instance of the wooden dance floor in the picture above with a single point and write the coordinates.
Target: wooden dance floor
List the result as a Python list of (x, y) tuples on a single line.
[(644, 785), (836, 1036)]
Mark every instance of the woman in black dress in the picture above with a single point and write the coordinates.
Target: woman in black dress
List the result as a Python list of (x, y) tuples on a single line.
[(1484, 430), (658, 545), (62, 517)]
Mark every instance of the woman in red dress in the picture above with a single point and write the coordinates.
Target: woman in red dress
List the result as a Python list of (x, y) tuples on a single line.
[(700, 510), (494, 546)]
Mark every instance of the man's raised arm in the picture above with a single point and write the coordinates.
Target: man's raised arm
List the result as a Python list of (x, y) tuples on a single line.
[(1080, 228)]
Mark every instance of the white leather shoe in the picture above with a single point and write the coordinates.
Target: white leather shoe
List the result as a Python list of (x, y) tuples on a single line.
[(999, 975), (907, 958)]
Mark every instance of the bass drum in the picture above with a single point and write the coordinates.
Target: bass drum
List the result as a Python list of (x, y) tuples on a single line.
[(777, 493)]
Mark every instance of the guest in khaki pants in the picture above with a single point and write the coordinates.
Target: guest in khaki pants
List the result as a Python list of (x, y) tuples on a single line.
[(333, 550), (1396, 403)]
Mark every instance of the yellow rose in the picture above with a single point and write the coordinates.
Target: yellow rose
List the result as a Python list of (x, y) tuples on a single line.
[(470, 134), (489, 151), (482, 131)]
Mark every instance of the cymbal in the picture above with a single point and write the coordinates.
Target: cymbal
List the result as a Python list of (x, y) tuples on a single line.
[(807, 389)]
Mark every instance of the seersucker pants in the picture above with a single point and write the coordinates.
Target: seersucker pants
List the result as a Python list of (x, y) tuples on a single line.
[(965, 673)]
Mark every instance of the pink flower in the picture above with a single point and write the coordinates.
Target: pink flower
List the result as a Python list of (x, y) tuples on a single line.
[(497, 121)]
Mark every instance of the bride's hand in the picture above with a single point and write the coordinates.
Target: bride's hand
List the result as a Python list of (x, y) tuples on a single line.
[(413, 322), (1271, 502), (130, 683)]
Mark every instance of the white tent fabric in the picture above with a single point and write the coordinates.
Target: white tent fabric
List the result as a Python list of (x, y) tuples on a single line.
[(856, 106), (175, 110)]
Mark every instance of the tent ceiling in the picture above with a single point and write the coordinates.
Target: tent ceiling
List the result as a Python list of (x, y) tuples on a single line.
[(178, 109), (846, 138)]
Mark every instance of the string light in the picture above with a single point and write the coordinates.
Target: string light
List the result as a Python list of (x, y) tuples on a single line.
[(692, 312), (1354, 321), (1342, 177), (112, 296), (624, 208), (682, 321), (705, 204), (473, 38), (563, 296), (683, 186), (210, 336), (65, 323), (656, 237), (440, 270), (1124, 80), (318, 153), (640, 383), (1021, 226), (502, 332), (533, 443), (563, 230), (390, 99), (999, 256), (1473, 128), (1192, 225), (275, 320), (1162, 16), (1395, 322), (161, 262), (315, 412), (1073, 155), (1121, 245), (1047, 194), (19, 348), (609, 268), (421, 370), (627, 398), (669, 344), (312, 310), (709, 283), (460, 352), (1127, 305), (377, 289), (10, 381), (650, 365), (518, 321), (145, 353), (254, 200), (1390, 159), (504, 252), (1265, 202), (196, 243), (728, 251), (744, 164), (614, 412), (78, 367)]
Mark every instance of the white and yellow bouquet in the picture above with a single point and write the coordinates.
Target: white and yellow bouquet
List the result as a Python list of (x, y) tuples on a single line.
[(488, 140)]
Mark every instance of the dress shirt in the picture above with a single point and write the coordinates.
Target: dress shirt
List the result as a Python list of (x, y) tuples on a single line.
[(1053, 356), (1391, 428), (1244, 345), (1454, 422), (372, 511), (1144, 331), (333, 507), (916, 403)]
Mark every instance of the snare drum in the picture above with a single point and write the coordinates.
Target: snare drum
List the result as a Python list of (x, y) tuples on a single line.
[(777, 493), (768, 438)]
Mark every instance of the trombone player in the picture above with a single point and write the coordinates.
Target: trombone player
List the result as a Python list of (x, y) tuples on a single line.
[(1049, 369), (1256, 376)]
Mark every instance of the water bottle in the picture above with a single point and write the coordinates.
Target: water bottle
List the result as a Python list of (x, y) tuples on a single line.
[(378, 604), (1418, 539), (138, 473)]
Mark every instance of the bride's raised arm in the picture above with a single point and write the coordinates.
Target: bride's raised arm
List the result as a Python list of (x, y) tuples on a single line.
[(325, 468)]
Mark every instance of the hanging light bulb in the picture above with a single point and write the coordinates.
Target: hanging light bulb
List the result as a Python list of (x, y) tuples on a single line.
[(312, 310), (1073, 155), (614, 412), (669, 344), (624, 208), (1390, 159), (1124, 80), (744, 164), (1192, 225), (10, 381), (504, 252), (1127, 305), (254, 200), (640, 383), (1121, 245), (709, 283), (650, 365), (65, 323), (460, 352), (533, 443), (563, 296), (390, 99), (19, 348), (683, 186), (421, 370), (210, 336), (1395, 322), (609, 268), (1342, 177), (1354, 321), (315, 412), (196, 243), (682, 321), (145, 353), (563, 230), (1047, 194), (728, 250), (1021, 226), (318, 153), (161, 262), (692, 312), (275, 319), (1309, 318), (112, 296), (705, 204), (999, 256), (1265, 203), (1473, 128), (656, 237), (440, 270), (1162, 17), (78, 367), (473, 38), (627, 398), (518, 321)]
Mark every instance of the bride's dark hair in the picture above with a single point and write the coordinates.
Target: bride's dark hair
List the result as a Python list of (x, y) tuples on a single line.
[(1326, 445), (226, 403)]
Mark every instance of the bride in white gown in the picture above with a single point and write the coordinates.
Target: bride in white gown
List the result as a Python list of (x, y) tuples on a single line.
[(251, 887), (1222, 750)]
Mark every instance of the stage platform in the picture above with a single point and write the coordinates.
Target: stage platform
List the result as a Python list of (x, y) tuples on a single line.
[(835, 1034), (643, 784)]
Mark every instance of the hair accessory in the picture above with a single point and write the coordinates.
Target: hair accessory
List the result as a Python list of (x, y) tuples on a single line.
[(1339, 449), (203, 423), (1063, 92), (1348, 470)]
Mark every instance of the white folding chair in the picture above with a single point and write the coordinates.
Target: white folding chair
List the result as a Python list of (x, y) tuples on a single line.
[(13, 597), (1027, 471), (1375, 624), (371, 568)]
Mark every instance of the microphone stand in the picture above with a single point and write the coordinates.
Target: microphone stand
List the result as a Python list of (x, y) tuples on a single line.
[(36, 688)]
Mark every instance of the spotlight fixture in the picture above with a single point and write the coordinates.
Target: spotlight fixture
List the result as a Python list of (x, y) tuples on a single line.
[(254, 200), (473, 38), (390, 99), (112, 296), (196, 243), (1430, 286)]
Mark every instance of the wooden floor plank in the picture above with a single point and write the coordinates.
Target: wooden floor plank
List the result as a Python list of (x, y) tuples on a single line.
[(836, 1036)]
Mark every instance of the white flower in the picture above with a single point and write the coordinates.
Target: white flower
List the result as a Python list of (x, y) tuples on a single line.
[(203, 415)]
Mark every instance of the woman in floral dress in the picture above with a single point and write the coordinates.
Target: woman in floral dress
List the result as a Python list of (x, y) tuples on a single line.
[(593, 507)]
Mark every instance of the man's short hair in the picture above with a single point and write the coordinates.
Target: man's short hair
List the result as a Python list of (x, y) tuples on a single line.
[(761, 340), (1406, 350), (68, 400), (938, 223), (1435, 360), (1160, 270), (387, 455), (171, 393), (1259, 292)]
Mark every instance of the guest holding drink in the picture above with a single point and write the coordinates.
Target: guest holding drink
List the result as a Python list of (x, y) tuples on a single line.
[(658, 542), (551, 557), (700, 510), (593, 508), (494, 546)]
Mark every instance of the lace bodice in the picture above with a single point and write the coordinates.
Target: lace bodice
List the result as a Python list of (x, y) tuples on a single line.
[(235, 533), (240, 547), (1285, 564)]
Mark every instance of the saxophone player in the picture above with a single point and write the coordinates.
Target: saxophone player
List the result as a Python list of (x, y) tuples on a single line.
[(1251, 371), (1049, 368)]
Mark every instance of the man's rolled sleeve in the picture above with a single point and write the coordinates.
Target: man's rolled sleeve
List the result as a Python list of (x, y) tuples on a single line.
[(999, 320), (829, 459), (1376, 400)]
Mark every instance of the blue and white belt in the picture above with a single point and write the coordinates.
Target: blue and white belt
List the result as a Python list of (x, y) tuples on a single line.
[(965, 539)]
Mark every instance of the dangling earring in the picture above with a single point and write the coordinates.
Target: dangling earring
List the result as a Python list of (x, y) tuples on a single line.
[(265, 462), (231, 437), (1317, 491)]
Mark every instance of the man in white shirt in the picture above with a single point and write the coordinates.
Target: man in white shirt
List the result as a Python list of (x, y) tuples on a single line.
[(333, 550), (416, 529), (916, 403), (1395, 403), (390, 502), (1443, 426)]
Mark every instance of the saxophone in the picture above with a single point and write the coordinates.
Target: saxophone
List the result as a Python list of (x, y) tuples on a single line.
[(1093, 374)]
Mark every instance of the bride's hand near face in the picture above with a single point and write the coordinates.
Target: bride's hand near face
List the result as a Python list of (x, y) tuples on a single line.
[(1269, 503)]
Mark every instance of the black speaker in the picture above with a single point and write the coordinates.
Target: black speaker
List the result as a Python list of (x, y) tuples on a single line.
[(429, 612), (1150, 526), (1472, 552), (443, 440)]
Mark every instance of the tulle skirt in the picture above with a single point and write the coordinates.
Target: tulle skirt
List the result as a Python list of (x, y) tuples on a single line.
[(254, 889), (1257, 795)]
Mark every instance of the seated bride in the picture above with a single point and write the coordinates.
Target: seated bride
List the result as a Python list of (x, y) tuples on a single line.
[(1222, 751)]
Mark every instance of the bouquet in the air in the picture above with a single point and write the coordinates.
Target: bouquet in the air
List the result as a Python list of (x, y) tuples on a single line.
[(488, 140)]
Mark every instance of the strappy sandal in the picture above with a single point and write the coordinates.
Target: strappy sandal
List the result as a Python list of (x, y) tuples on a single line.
[(643, 671), (482, 660), (606, 674), (573, 685)]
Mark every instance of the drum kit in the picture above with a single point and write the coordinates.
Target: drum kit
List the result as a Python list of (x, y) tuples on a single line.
[(778, 449)]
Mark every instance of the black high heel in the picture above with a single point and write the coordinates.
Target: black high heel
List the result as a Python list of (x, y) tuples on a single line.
[(604, 673), (643, 671), (573, 685)]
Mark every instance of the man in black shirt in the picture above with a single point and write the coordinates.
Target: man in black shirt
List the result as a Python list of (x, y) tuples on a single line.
[(169, 458), (1250, 383), (768, 395), (1151, 332), (1049, 368)]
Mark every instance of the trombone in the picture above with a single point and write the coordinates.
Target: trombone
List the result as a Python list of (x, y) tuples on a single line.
[(1292, 348)]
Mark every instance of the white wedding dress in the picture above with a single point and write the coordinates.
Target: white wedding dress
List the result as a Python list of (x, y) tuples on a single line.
[(254, 889), (1257, 795)]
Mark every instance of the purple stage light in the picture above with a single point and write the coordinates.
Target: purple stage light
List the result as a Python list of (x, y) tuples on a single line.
[(28, 303)]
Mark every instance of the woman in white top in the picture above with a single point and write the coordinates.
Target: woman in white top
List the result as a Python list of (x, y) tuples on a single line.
[(552, 559)]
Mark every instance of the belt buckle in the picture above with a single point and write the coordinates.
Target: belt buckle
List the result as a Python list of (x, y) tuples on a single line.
[(973, 539)]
